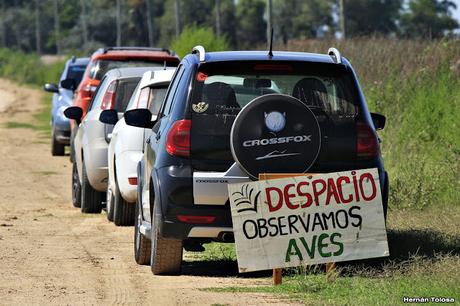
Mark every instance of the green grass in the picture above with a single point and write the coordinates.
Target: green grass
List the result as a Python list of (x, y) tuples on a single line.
[(18, 125)]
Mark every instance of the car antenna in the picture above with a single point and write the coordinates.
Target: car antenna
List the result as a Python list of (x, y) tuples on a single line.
[(270, 51)]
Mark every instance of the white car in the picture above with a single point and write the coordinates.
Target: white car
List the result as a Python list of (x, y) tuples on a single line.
[(126, 146), (89, 171)]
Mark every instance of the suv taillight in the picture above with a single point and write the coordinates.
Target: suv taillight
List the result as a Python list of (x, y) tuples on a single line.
[(367, 145), (108, 101), (178, 139)]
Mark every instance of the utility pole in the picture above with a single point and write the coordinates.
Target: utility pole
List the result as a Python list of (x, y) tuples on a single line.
[(342, 19), (149, 23), (56, 26), (269, 21), (83, 23), (118, 23), (38, 48), (218, 30), (2, 24), (177, 13)]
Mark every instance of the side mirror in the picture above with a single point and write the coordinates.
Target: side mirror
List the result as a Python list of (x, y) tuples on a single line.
[(74, 112), (140, 117), (50, 87), (378, 120), (109, 116), (69, 84)]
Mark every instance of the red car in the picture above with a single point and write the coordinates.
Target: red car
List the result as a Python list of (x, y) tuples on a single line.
[(105, 59)]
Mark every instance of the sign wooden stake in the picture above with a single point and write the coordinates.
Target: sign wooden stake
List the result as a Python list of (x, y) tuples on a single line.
[(277, 273)]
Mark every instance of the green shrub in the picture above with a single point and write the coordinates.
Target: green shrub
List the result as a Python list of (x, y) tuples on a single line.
[(193, 35), (27, 68)]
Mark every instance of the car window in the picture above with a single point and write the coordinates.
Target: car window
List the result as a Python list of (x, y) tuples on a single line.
[(76, 72), (133, 101), (102, 66), (157, 96), (166, 107), (123, 93)]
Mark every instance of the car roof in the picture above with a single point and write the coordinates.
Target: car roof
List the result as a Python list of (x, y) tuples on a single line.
[(134, 52), (129, 72), (157, 77), (262, 56), (78, 61)]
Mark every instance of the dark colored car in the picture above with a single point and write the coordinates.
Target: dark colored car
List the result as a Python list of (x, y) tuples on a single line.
[(195, 148), (62, 98)]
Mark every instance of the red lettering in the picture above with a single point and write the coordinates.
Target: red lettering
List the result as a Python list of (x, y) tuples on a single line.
[(305, 194), (316, 192), (371, 180), (268, 191), (331, 191), (345, 179), (288, 195)]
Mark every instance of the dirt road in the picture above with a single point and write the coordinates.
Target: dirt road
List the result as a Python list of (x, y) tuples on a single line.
[(52, 254)]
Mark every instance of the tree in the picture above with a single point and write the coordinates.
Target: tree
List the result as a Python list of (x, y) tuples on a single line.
[(367, 17), (300, 18), (428, 19), (251, 28)]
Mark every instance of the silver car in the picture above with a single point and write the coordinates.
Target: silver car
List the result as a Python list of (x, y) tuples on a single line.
[(90, 173)]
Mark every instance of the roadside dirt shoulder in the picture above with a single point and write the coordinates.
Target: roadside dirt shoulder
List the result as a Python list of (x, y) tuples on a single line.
[(52, 254)]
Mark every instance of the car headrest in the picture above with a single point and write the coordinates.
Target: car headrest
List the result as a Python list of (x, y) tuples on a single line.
[(310, 91), (219, 93)]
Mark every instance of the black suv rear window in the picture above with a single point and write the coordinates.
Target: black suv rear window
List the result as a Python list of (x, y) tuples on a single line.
[(221, 89)]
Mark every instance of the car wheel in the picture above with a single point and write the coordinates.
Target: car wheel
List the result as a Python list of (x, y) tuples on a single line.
[(109, 204), (165, 254), (57, 149), (142, 244), (91, 200), (123, 212), (76, 187)]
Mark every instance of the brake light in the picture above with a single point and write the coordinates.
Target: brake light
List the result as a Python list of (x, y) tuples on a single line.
[(108, 101), (196, 219), (367, 145), (87, 91), (178, 139), (132, 180)]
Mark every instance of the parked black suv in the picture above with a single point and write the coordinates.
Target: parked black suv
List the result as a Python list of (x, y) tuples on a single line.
[(197, 142)]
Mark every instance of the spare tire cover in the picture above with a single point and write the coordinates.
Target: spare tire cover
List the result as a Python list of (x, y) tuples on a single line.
[(275, 134)]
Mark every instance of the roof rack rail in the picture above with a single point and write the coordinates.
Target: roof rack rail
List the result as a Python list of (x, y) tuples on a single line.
[(201, 52), (335, 55), (106, 49), (73, 58)]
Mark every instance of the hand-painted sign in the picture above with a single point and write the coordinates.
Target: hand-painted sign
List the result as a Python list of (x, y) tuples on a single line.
[(308, 219)]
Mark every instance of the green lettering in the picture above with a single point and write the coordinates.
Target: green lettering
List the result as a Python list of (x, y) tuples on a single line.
[(337, 243), (310, 251), (322, 245), (293, 247)]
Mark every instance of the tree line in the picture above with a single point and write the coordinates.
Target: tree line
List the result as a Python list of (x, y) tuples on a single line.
[(57, 26)]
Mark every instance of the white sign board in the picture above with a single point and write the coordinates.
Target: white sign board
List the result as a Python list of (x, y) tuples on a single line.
[(305, 220)]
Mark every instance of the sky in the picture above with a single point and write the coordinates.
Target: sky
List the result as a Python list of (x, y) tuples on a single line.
[(457, 11)]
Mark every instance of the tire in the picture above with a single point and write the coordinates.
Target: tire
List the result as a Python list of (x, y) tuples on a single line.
[(123, 212), (165, 254), (91, 200), (142, 245), (76, 187), (57, 149), (110, 201), (72, 149)]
